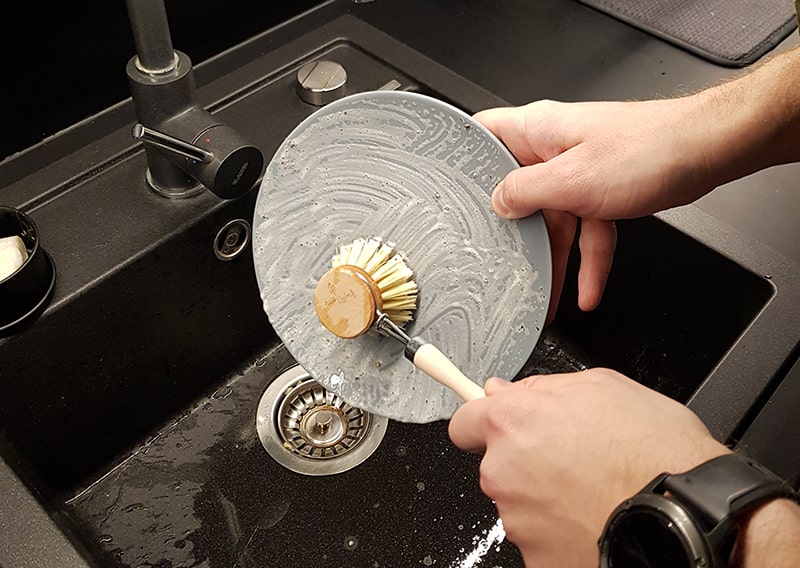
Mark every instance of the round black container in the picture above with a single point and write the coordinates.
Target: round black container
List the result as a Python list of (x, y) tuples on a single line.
[(25, 293)]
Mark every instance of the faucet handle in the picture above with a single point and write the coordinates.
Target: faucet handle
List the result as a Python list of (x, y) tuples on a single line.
[(167, 142), (236, 165), (218, 157)]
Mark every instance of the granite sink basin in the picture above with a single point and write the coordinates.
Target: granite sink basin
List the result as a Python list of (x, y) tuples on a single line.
[(129, 407)]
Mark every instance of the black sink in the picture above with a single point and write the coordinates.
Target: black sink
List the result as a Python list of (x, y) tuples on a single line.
[(128, 408)]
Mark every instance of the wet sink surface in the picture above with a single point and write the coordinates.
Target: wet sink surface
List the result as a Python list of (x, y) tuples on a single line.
[(204, 490), (129, 408)]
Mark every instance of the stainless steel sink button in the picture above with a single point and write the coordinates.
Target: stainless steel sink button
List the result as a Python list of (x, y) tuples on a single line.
[(232, 239), (321, 82)]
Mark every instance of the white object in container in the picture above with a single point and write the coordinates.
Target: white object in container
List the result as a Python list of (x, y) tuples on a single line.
[(13, 254)]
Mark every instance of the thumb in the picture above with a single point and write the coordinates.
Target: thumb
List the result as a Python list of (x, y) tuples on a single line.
[(526, 190)]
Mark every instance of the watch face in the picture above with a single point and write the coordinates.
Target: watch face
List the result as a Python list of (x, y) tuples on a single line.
[(646, 539)]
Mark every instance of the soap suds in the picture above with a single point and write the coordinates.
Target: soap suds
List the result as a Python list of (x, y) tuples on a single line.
[(494, 536)]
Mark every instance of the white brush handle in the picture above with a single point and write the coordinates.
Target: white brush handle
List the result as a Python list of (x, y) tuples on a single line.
[(436, 365)]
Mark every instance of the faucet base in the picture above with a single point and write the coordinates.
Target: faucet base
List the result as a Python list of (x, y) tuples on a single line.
[(184, 192)]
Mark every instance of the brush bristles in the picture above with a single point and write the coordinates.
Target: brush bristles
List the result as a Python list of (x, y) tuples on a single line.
[(388, 270)]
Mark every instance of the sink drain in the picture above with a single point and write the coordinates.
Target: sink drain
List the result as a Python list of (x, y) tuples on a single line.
[(312, 431)]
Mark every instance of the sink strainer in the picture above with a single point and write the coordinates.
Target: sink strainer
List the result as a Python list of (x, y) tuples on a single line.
[(310, 430)]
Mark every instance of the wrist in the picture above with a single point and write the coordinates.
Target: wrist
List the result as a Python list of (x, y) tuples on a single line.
[(728, 511), (770, 531), (750, 123)]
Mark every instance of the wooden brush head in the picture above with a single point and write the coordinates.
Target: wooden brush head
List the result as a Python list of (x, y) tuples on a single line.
[(346, 300), (367, 275)]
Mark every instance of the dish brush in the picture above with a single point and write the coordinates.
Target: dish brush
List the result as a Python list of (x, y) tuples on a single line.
[(370, 286)]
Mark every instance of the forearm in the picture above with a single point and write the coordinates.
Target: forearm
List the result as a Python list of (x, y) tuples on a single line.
[(753, 122), (771, 537)]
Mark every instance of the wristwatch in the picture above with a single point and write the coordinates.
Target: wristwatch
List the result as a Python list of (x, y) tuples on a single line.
[(689, 520)]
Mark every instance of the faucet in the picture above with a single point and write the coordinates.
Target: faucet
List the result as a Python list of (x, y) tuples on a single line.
[(186, 146)]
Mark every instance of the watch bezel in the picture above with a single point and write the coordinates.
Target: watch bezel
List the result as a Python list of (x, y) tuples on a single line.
[(694, 541)]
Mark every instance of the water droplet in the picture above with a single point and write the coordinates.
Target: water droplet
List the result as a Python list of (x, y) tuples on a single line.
[(350, 543)]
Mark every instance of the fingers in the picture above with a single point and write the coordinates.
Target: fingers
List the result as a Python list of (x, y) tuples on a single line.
[(561, 230), (550, 181), (532, 187), (475, 423), (510, 126), (467, 427), (523, 192), (560, 183), (597, 242)]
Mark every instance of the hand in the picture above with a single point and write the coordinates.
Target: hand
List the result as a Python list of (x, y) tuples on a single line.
[(598, 161), (562, 451)]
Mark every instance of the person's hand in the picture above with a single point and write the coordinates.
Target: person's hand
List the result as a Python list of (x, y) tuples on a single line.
[(562, 451), (598, 161)]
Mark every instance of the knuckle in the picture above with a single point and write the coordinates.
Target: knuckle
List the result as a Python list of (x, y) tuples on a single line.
[(531, 381), (609, 374), (602, 377), (492, 481), (544, 106), (519, 535)]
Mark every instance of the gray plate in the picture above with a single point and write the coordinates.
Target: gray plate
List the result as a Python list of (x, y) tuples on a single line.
[(419, 173)]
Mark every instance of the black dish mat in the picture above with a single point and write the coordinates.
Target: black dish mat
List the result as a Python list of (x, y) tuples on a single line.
[(734, 33)]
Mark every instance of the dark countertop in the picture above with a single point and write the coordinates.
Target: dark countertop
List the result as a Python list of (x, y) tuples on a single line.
[(560, 49)]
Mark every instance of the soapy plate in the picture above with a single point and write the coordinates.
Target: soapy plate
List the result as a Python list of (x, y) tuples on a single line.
[(416, 172)]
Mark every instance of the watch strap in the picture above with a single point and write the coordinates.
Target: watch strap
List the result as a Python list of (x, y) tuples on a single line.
[(726, 486)]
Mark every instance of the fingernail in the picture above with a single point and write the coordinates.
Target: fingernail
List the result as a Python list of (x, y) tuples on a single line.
[(498, 203)]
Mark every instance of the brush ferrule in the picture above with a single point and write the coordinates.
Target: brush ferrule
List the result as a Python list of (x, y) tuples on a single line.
[(385, 326), (413, 346)]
